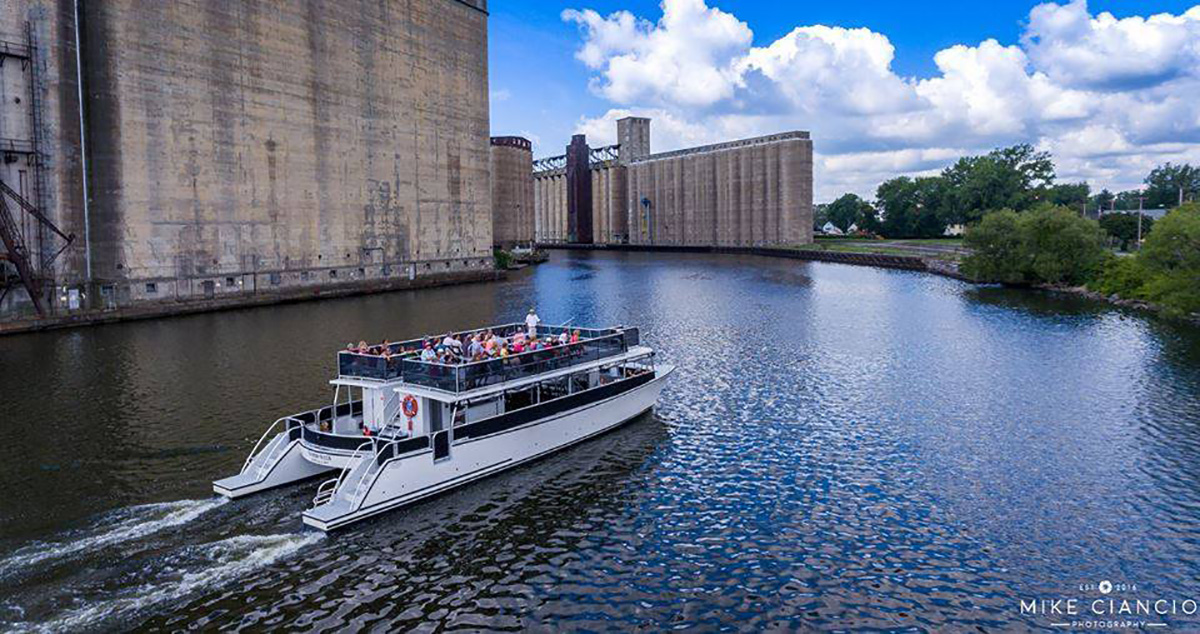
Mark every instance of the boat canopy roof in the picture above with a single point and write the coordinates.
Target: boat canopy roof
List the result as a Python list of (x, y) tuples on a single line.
[(403, 365)]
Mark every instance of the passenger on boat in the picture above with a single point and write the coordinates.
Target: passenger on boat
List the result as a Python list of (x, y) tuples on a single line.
[(575, 337), (428, 353), (453, 344), (475, 350), (531, 322)]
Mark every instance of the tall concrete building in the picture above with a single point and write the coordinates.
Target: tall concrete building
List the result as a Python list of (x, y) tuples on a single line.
[(752, 192), (512, 191), (201, 150)]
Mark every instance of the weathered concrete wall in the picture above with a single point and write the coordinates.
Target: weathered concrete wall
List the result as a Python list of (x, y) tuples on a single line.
[(512, 191), (633, 135), (550, 206), (237, 144), (755, 192), (608, 202), (48, 80)]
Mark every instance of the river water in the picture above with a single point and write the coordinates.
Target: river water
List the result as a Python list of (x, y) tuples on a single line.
[(841, 447)]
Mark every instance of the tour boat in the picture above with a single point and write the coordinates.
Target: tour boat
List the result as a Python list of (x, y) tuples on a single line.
[(419, 428)]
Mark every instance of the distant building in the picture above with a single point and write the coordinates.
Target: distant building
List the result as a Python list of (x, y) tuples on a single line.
[(753, 192), (831, 229), (1155, 212), (512, 191)]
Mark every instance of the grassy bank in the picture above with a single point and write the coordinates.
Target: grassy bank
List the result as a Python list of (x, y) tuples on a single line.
[(949, 249)]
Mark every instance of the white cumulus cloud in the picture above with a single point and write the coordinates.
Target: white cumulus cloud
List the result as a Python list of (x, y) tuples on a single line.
[(1110, 97)]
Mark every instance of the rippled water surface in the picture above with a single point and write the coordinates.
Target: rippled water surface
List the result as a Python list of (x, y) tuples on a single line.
[(840, 448)]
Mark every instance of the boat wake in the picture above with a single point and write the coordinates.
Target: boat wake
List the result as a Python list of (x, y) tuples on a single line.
[(121, 526), (192, 570)]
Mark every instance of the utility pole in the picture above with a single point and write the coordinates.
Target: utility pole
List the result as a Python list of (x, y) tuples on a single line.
[(1139, 240)]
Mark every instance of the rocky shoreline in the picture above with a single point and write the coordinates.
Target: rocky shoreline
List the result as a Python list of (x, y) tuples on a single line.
[(1116, 300)]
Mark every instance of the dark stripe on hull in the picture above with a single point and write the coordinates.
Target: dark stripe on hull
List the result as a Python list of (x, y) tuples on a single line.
[(505, 422), (442, 487)]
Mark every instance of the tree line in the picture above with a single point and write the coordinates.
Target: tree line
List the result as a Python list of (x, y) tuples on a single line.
[(1054, 245), (1018, 178), (1022, 228)]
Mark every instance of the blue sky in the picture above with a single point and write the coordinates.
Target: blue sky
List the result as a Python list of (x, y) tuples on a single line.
[(734, 68)]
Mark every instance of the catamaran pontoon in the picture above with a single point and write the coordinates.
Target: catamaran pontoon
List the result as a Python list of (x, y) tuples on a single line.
[(420, 428)]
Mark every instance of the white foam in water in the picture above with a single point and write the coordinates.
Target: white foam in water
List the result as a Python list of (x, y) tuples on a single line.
[(136, 521), (228, 559)]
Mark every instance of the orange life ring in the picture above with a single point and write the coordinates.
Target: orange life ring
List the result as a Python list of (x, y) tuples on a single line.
[(410, 405)]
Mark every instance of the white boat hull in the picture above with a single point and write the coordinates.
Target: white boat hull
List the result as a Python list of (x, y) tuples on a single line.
[(271, 469), (413, 477)]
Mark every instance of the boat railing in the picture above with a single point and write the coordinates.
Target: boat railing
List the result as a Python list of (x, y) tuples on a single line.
[(594, 344), (291, 423), (328, 488), (373, 467)]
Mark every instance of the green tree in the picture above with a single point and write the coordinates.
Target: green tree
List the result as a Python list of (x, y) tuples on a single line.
[(1164, 183), (996, 253), (1051, 245), (1123, 227), (1060, 246), (1175, 242), (1008, 178), (820, 215), (1070, 195), (849, 210), (912, 208), (1123, 277), (1103, 200), (1171, 254), (1127, 200)]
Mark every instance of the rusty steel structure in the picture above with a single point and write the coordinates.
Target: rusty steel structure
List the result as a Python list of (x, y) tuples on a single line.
[(28, 254), (15, 244)]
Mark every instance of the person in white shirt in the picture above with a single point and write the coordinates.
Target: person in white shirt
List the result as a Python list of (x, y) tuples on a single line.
[(453, 345), (531, 322)]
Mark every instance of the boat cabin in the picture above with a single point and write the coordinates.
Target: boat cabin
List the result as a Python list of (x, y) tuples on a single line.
[(393, 396)]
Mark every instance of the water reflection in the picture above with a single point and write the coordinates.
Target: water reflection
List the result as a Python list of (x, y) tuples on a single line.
[(841, 447)]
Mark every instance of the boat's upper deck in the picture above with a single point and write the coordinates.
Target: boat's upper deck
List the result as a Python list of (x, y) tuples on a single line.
[(401, 361)]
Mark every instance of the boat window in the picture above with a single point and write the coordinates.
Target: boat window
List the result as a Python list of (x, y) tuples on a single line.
[(435, 415), (553, 388), (481, 409), (610, 374), (579, 382), (517, 399)]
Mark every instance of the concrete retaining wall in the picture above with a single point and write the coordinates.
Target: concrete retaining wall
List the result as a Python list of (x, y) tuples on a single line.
[(861, 259)]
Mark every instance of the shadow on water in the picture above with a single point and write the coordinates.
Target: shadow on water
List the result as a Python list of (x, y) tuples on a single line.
[(485, 553), (1037, 303)]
